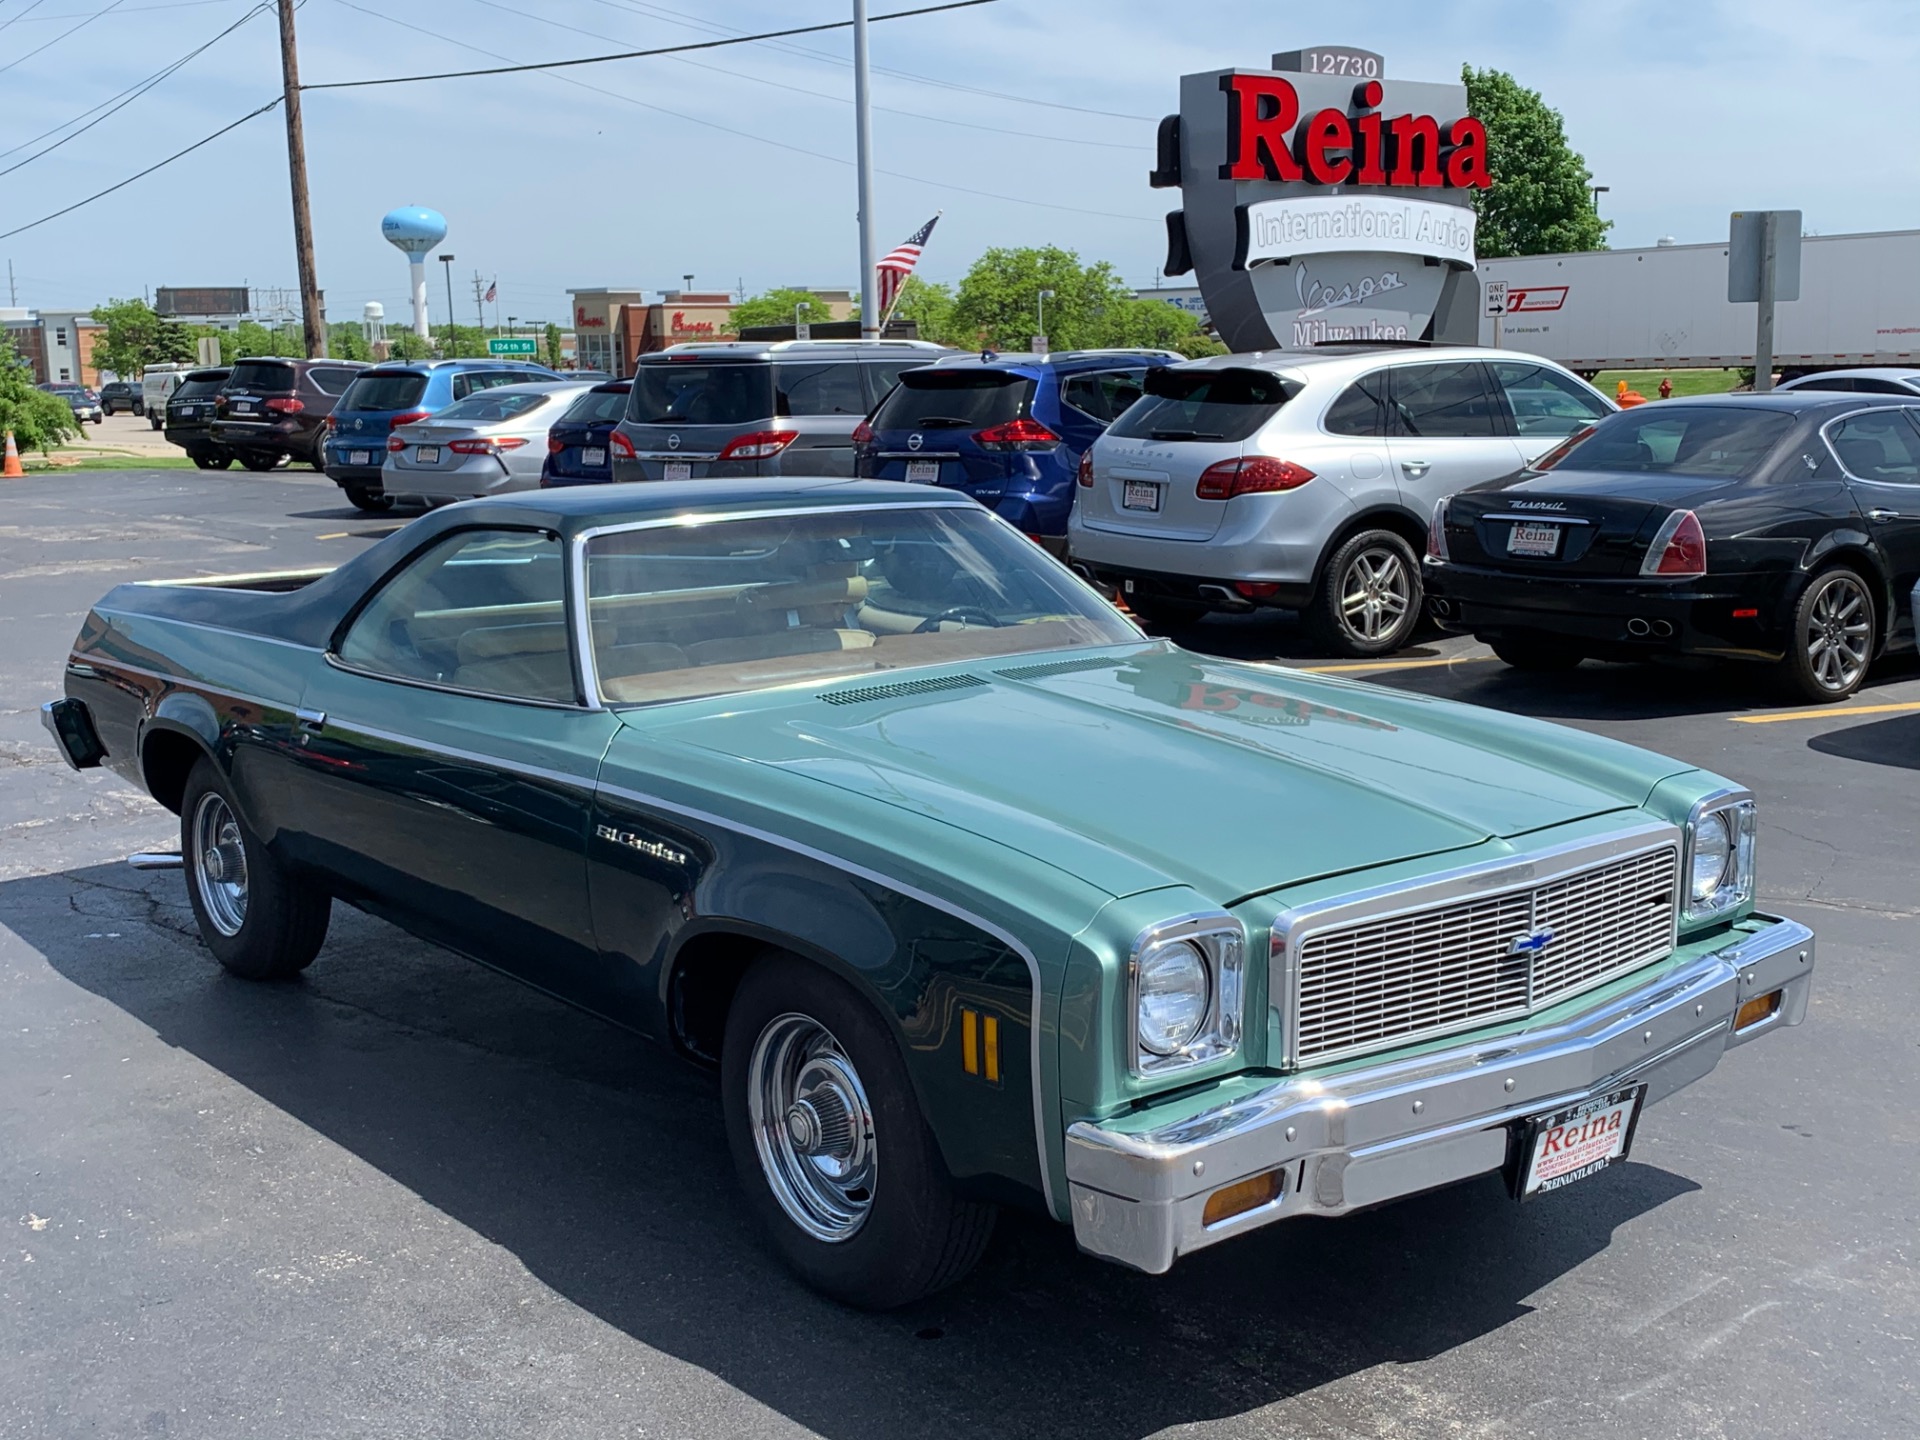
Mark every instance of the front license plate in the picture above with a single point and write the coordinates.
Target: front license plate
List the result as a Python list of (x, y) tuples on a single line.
[(679, 470), (925, 472), (1140, 495), (359, 457), (426, 455), (1581, 1140), (593, 455), (1534, 540)]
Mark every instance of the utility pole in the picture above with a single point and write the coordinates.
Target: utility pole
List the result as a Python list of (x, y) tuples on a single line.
[(446, 265), (13, 295), (863, 146), (315, 322), (480, 299)]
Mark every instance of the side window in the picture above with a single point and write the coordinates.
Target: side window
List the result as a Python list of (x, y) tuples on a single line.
[(1879, 387), (463, 385), (1103, 394), (330, 380), (1881, 445), (882, 376), (1361, 408), (1543, 401), (483, 610), (818, 388), (1443, 400)]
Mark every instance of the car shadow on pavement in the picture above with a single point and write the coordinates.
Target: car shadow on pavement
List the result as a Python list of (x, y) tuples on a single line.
[(600, 1163), (1895, 741)]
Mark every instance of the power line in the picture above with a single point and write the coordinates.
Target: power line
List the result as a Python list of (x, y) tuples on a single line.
[(635, 54), (24, 13), (127, 10), (58, 38), (121, 185)]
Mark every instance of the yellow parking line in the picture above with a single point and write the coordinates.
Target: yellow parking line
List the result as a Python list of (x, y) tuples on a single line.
[(336, 535), (1825, 712), (1364, 665)]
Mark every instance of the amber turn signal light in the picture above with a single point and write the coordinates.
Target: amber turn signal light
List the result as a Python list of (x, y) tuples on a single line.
[(1761, 1007), (1240, 1197)]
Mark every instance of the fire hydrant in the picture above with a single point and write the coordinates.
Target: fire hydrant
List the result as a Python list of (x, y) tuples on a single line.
[(1666, 387)]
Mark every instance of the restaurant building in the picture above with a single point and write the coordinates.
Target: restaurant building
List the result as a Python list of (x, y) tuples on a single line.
[(614, 326)]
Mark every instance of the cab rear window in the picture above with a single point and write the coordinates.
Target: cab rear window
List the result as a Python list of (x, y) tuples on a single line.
[(954, 400), (261, 375), (1206, 405)]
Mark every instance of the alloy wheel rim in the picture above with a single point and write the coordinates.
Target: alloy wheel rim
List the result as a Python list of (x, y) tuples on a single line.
[(1839, 634), (220, 864), (812, 1127), (1377, 594)]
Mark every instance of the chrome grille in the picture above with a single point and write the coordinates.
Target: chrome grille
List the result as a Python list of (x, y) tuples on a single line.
[(1451, 967)]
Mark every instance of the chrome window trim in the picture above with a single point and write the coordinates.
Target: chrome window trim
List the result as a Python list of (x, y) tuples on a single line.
[(1222, 1032), (1730, 797), (1911, 411), (341, 665), (1484, 880)]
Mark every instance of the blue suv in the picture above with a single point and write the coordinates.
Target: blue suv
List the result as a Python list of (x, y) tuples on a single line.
[(387, 396), (1009, 430)]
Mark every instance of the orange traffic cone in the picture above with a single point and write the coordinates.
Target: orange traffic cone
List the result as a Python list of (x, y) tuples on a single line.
[(12, 470)]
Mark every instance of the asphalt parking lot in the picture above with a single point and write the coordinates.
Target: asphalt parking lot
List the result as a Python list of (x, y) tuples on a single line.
[(407, 1198)]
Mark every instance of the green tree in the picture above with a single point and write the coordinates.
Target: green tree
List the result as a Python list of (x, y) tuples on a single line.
[(1156, 325), (347, 341), (1541, 200), (775, 307), (999, 301), (550, 356), (929, 305), (130, 338), (38, 420), (405, 345), (250, 338)]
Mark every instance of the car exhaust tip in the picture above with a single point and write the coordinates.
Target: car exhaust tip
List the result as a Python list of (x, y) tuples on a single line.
[(156, 860), (1663, 629), (1638, 627), (1224, 598)]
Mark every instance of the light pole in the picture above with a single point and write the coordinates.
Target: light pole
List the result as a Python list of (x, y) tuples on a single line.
[(689, 282), (863, 168), (1040, 320), (513, 326), (446, 261), (1598, 191), (801, 329)]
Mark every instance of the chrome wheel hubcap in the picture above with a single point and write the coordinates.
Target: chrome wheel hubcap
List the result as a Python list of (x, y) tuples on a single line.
[(1839, 635), (220, 864), (812, 1127), (1377, 594)]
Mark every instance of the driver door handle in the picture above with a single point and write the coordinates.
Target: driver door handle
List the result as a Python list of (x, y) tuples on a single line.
[(1883, 514), (312, 721), (1416, 468)]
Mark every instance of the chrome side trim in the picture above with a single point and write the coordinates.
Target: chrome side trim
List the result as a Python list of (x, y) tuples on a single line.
[(201, 625), (183, 681), (1541, 517), (221, 582), (451, 752), (673, 455), (1479, 881), (912, 892)]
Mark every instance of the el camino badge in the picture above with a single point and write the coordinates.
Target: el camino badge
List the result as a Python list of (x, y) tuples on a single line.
[(633, 840)]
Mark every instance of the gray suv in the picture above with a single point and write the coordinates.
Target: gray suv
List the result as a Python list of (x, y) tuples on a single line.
[(1305, 481), (732, 407)]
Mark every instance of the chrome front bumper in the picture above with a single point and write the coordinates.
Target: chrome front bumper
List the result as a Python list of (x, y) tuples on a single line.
[(1399, 1127)]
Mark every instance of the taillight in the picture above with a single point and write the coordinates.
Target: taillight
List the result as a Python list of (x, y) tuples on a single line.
[(620, 445), (332, 424), (757, 446), (1437, 531), (1250, 475), (286, 405), (395, 445), (1559, 452), (555, 445), (1679, 547), (1021, 434), (863, 434), (409, 418), (1085, 473), (485, 447)]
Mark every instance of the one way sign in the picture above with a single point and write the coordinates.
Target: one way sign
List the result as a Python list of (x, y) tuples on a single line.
[(1495, 297)]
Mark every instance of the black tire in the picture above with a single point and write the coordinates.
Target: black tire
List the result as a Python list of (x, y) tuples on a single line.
[(915, 1234), (212, 459), (100, 419), (139, 407), (1837, 608), (1370, 597), (154, 422), (281, 916), (261, 463), (1537, 654), (372, 501), (1167, 614)]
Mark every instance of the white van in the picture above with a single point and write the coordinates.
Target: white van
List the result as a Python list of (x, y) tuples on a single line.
[(157, 384)]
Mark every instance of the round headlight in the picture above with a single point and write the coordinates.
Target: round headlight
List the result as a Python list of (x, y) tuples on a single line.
[(1173, 997), (1712, 853)]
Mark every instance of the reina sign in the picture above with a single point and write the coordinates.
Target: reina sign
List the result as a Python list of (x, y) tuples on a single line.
[(1322, 202)]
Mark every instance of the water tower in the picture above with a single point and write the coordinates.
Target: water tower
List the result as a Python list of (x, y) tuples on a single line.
[(416, 230), (373, 320)]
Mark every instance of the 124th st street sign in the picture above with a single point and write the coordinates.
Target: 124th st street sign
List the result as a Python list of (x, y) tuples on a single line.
[(501, 345)]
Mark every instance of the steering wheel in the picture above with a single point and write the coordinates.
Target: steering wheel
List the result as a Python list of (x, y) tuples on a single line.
[(958, 612)]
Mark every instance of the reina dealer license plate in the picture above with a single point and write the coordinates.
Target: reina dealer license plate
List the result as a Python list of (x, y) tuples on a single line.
[(924, 472), (359, 457), (426, 455), (679, 470), (593, 455), (1528, 539), (1581, 1140), (1140, 495)]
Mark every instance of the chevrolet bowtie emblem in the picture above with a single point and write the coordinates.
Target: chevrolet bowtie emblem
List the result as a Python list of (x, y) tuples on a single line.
[(1531, 944)]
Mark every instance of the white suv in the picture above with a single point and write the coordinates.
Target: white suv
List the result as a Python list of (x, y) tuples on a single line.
[(1305, 480)]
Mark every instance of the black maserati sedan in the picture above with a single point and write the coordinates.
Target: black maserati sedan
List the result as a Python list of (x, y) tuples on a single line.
[(1782, 529)]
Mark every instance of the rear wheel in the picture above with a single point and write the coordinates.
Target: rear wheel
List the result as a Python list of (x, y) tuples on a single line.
[(212, 459), (1168, 614), (1537, 654), (372, 501), (154, 421), (830, 1145), (1370, 598), (260, 462), (1831, 640), (261, 920)]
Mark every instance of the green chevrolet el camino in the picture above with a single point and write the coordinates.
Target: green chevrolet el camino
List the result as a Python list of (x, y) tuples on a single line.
[(973, 894)]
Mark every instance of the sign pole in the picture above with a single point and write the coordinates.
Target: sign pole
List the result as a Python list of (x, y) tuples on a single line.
[(863, 144), (1763, 328)]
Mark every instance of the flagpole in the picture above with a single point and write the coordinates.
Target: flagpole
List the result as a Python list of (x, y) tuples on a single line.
[(894, 304), (863, 145)]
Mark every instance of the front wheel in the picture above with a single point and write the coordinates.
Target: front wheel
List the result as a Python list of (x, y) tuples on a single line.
[(1370, 596), (261, 920), (212, 459), (154, 422), (1831, 640), (830, 1146), (372, 501), (1535, 654)]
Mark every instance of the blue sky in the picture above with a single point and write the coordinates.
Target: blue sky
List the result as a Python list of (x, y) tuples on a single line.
[(734, 164)]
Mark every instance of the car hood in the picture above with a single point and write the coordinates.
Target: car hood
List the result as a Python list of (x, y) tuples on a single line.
[(1154, 766)]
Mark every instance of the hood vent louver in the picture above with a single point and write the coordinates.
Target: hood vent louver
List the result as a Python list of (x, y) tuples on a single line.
[(1058, 667), (898, 688)]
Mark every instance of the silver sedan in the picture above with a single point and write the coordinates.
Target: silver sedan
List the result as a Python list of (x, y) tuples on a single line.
[(486, 444)]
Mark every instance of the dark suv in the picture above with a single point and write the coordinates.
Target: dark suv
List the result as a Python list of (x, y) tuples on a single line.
[(118, 395), (271, 408), (189, 419), (1009, 430)]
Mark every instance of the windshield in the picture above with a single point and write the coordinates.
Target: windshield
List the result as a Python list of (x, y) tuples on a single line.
[(598, 407), (492, 406), (399, 390), (954, 400), (1670, 439), (738, 605), (1202, 405), (261, 375), (674, 392)]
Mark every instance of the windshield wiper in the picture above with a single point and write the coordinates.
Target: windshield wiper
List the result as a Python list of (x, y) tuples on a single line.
[(942, 422), (1183, 435)]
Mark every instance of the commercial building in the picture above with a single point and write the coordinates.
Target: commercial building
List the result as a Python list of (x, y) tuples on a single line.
[(56, 344), (615, 326)]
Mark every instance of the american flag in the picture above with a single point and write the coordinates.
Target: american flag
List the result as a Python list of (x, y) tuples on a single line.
[(897, 264), (492, 290)]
